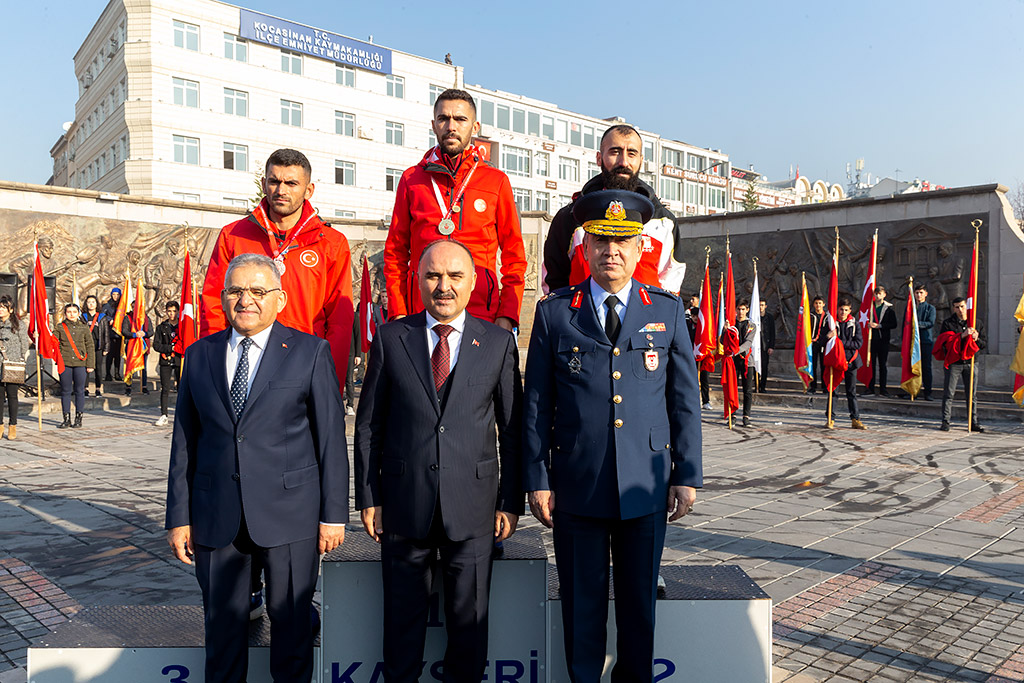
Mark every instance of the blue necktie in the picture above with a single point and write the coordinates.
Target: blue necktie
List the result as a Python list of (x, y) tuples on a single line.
[(240, 384)]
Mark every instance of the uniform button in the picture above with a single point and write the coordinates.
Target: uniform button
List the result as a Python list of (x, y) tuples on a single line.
[(441, 429), (240, 438), (615, 351), (650, 344), (575, 349), (617, 399), (433, 468), (235, 477), (618, 423), (616, 375)]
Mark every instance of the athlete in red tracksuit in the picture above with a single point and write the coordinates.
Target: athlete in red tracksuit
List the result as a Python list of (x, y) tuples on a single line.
[(316, 260), (483, 217)]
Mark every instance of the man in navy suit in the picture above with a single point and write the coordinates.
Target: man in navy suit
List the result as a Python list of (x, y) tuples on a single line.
[(258, 468), (441, 394), (612, 437)]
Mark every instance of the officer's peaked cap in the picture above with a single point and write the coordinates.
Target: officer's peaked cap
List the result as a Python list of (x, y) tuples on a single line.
[(616, 213)]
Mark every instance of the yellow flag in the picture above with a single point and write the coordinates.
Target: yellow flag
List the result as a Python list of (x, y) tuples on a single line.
[(1017, 365)]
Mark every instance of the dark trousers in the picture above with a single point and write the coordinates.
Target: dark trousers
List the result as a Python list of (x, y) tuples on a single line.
[(582, 548), (745, 377), (850, 379), (762, 379), (10, 393), (168, 377), (408, 566), (705, 387), (97, 361), (291, 578), (926, 367), (818, 361), (879, 365), (73, 380), (350, 384), (114, 355), (954, 374)]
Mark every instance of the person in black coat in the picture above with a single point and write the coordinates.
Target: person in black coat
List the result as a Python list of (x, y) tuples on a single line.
[(145, 332), (819, 335), (881, 333), (99, 326), (767, 345), (744, 370), (849, 334), (957, 325), (114, 339), (170, 362)]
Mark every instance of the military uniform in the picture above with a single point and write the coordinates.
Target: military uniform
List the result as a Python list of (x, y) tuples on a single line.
[(608, 427)]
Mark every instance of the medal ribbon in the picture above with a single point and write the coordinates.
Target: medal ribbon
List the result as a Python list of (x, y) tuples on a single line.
[(447, 212)]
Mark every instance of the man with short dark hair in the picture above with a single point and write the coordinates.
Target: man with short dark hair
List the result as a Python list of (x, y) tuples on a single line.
[(882, 325), (819, 335), (454, 193), (767, 345), (113, 352), (955, 342), (692, 320), (849, 333), (926, 329), (170, 362), (258, 469), (745, 372), (620, 159)]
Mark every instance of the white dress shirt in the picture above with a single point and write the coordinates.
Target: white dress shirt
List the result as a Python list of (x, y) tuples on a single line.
[(599, 294), (259, 345), (454, 337)]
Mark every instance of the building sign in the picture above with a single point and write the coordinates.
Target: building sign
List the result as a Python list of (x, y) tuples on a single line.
[(764, 200), (550, 185), (314, 42), (548, 146), (671, 171), (694, 177)]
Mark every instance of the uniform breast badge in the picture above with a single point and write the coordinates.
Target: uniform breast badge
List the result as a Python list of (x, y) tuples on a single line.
[(575, 365), (651, 360)]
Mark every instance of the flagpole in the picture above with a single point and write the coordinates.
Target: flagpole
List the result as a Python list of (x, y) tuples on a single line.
[(39, 382), (911, 295), (835, 330), (974, 322), (871, 307)]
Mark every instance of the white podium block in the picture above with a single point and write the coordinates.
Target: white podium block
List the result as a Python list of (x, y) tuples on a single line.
[(352, 636)]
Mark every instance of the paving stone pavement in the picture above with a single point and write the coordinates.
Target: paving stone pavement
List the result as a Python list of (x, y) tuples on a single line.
[(894, 554)]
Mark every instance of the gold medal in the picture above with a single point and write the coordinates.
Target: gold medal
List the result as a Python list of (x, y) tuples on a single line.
[(446, 227), (279, 263)]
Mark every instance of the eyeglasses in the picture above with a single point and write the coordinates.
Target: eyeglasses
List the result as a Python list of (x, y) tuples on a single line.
[(257, 293)]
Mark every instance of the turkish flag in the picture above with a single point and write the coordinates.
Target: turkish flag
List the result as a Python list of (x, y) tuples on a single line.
[(367, 325), (187, 320), (867, 316), (835, 354), (47, 345), (707, 339)]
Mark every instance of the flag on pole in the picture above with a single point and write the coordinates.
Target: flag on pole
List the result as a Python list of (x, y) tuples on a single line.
[(720, 328), (47, 345), (1017, 364), (367, 325), (972, 288), (910, 377), (867, 316), (755, 319), (834, 360), (729, 343), (707, 339), (803, 351), (136, 347), (187, 320), (122, 305)]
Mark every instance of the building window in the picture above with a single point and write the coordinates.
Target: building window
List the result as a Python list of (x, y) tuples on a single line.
[(291, 62), (523, 199), (100, 165), (592, 170), (186, 197), (672, 157), (564, 200), (503, 117), (696, 163), (569, 169), (186, 150), (235, 201), (124, 147), (588, 137), (561, 131), (341, 213), (235, 48), (344, 123), (541, 201), (394, 133), (716, 197), (575, 134), (649, 150), (124, 89), (236, 102), (515, 161), (533, 124), (487, 112), (291, 113), (396, 87), (435, 91), (113, 156), (391, 178), (344, 172), (186, 35), (671, 190), (518, 121), (691, 193), (186, 93), (346, 76), (541, 164), (236, 157)]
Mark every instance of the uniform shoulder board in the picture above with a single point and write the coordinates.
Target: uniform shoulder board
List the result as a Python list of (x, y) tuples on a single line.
[(558, 293), (658, 290)]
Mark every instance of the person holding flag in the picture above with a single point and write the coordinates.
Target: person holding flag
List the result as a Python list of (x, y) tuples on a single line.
[(882, 322), (1017, 364), (910, 358), (957, 344), (46, 342), (848, 340), (728, 340), (803, 352), (743, 358), (165, 342), (113, 350), (766, 331), (137, 331), (819, 334), (926, 331), (706, 341)]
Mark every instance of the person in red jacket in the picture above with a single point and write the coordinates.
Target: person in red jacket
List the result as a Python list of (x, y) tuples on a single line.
[(313, 258), (454, 193)]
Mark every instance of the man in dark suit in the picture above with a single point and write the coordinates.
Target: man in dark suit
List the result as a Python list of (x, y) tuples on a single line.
[(612, 436), (767, 345), (882, 325), (442, 392), (258, 468)]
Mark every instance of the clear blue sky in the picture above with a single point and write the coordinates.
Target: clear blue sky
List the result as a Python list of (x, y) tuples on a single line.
[(932, 89)]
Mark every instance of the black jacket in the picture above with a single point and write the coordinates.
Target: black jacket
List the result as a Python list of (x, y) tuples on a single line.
[(767, 331), (886, 323), (163, 343), (849, 333), (126, 328), (100, 330), (556, 247)]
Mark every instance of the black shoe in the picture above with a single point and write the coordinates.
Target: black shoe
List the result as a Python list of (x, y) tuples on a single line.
[(883, 392), (108, 378), (746, 421), (66, 423), (87, 393), (944, 426), (975, 427), (928, 397), (78, 420), (99, 393), (127, 391), (145, 390)]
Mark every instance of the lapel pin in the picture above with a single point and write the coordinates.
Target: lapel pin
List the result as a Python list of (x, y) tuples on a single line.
[(476, 343), (283, 345)]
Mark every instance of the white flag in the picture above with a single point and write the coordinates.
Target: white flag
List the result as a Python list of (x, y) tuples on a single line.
[(755, 320)]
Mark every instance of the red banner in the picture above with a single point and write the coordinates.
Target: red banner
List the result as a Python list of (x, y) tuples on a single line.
[(187, 320), (367, 325), (47, 345)]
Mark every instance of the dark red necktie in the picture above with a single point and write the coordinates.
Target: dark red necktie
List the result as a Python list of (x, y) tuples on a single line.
[(440, 359)]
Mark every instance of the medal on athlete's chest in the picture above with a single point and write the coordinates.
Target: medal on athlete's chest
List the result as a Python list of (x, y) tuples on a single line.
[(446, 226), (279, 264)]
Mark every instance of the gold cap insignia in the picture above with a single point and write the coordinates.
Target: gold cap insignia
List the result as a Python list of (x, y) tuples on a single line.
[(615, 211)]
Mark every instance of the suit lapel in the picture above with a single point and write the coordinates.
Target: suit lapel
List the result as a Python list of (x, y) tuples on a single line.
[(414, 338), (585, 319), (469, 356), (635, 315), (217, 360), (270, 362)]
